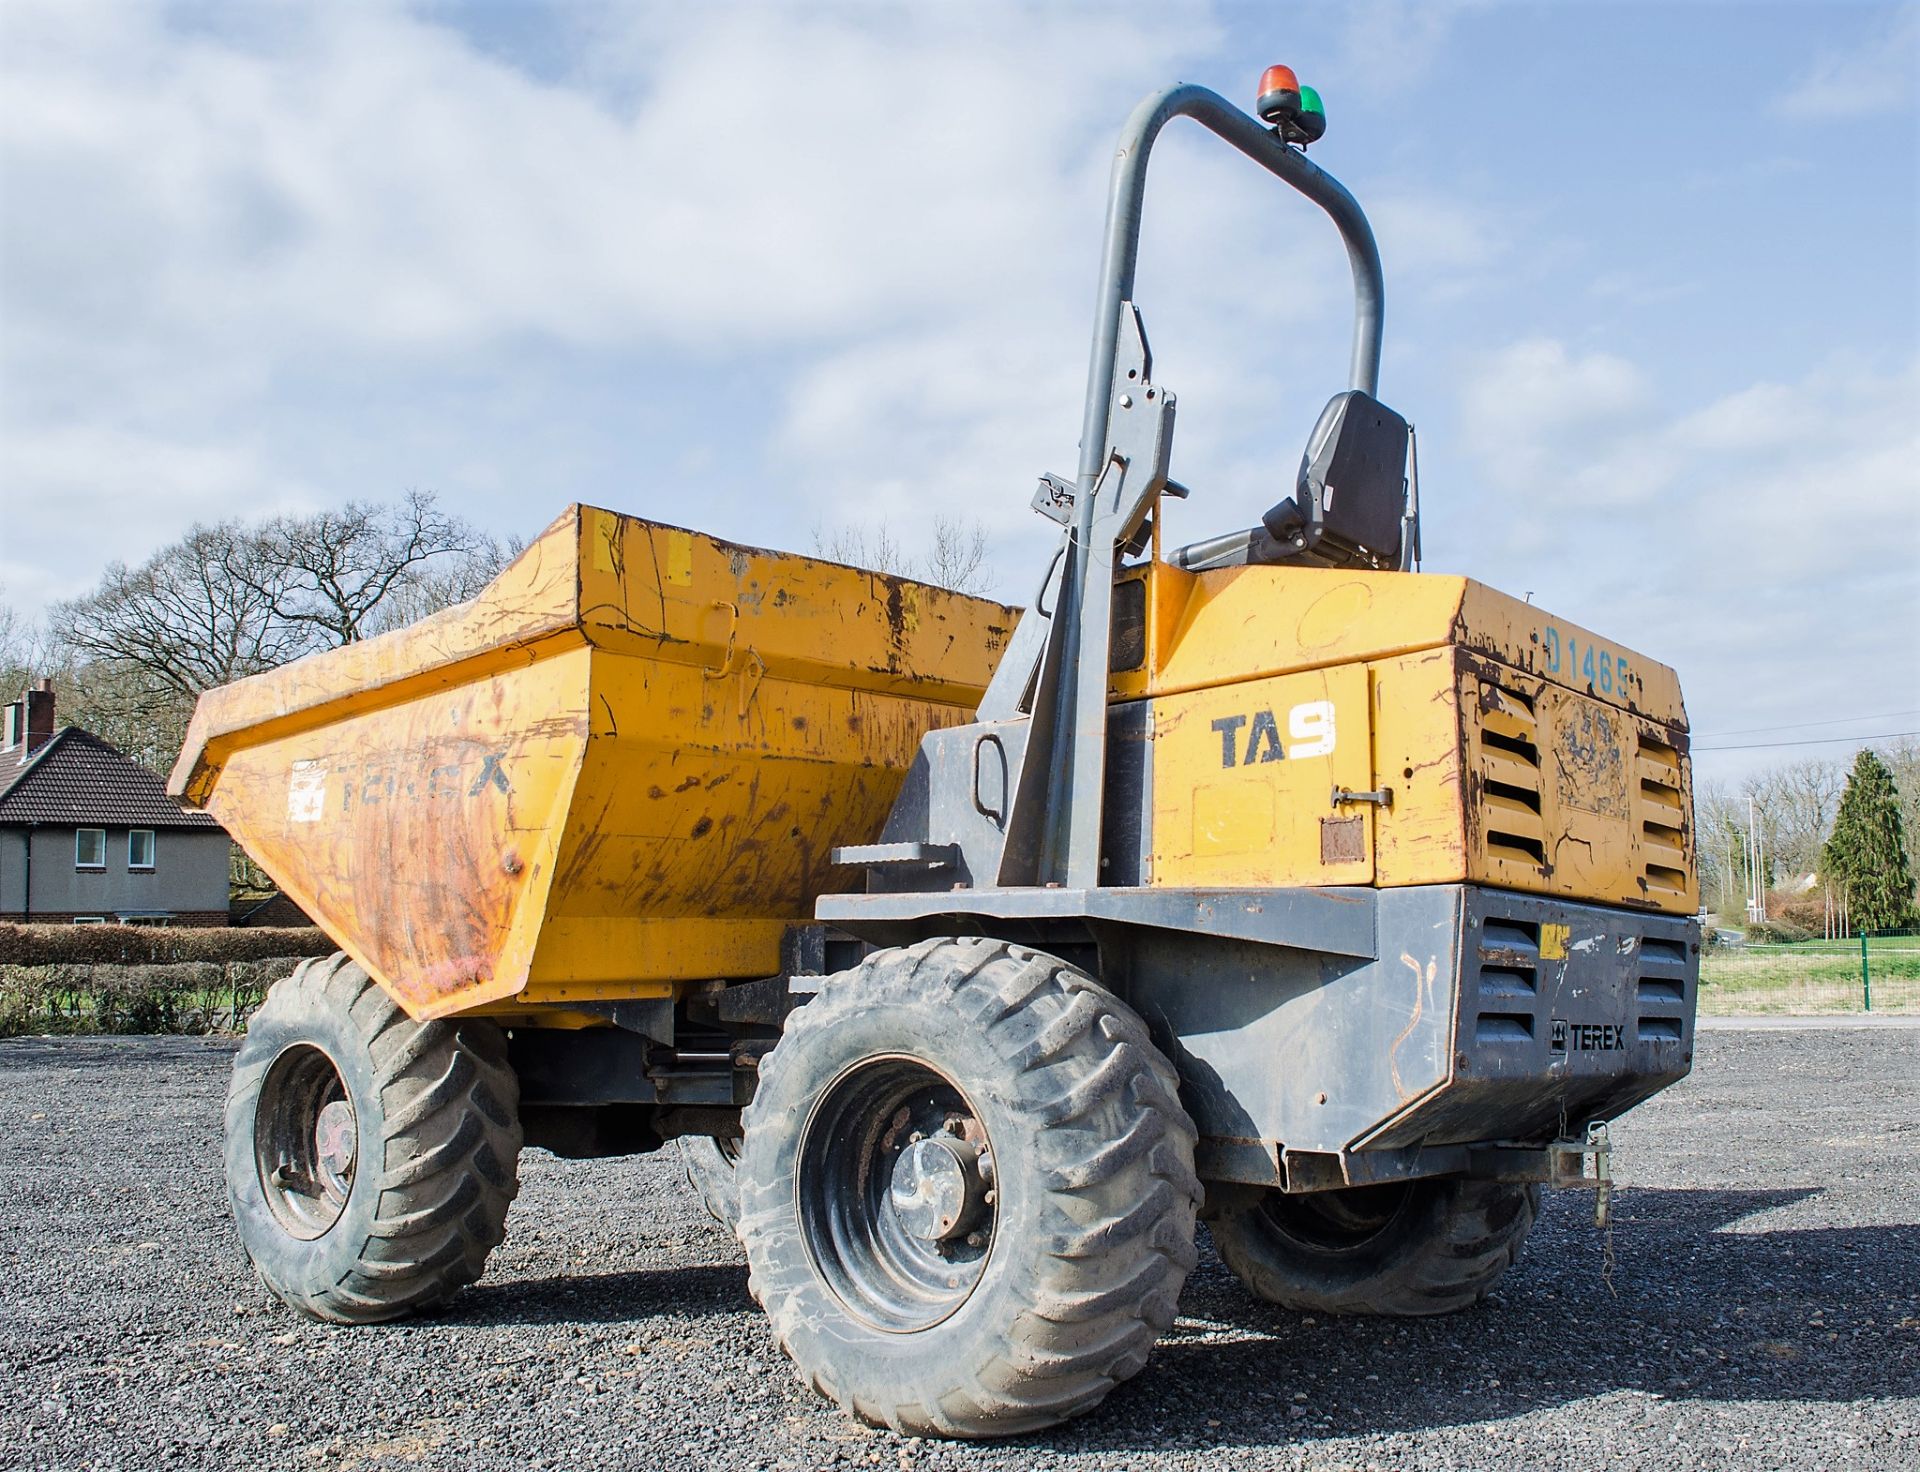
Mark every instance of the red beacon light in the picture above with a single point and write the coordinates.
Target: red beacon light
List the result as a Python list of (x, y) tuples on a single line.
[(1292, 111)]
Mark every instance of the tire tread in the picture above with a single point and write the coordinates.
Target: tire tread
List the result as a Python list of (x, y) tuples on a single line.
[(1106, 1291), (450, 1114)]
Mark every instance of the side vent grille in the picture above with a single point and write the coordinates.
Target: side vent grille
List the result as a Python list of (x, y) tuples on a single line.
[(1663, 1002), (1509, 989), (1509, 760), (1660, 816)]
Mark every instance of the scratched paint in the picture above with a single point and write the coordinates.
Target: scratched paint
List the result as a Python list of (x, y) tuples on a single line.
[(618, 771)]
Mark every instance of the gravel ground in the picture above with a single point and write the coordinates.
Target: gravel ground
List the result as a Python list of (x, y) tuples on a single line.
[(1763, 1310)]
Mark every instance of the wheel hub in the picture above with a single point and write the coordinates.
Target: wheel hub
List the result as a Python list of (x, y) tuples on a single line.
[(897, 1192), (305, 1141), (334, 1139), (937, 1188)]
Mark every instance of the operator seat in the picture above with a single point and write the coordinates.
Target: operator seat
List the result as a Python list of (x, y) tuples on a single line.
[(1350, 496)]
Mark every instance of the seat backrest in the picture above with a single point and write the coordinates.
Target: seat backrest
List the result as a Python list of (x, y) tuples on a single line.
[(1350, 496)]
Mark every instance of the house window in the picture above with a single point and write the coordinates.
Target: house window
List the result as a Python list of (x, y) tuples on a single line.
[(89, 919), (140, 848), (90, 848)]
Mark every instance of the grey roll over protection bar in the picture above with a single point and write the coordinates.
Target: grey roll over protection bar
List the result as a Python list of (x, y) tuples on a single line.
[(1055, 816), (1124, 207)]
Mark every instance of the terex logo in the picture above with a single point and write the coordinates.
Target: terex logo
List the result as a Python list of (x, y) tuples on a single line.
[(1310, 732), (1588, 1037)]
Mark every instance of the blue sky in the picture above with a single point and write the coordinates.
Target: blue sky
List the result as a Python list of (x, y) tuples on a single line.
[(1653, 288)]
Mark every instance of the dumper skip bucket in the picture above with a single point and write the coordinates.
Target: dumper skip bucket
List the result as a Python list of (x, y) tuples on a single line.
[(620, 769)]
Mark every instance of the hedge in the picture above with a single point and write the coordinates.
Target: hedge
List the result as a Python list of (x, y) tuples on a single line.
[(181, 997), (155, 945)]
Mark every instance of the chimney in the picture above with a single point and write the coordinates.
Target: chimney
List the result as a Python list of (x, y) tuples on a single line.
[(30, 721)]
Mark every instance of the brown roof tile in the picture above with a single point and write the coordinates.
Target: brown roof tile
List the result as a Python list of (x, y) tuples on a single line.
[(78, 780)]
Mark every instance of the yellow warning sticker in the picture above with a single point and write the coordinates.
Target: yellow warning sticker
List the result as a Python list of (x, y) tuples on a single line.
[(1553, 942), (602, 530), (680, 557)]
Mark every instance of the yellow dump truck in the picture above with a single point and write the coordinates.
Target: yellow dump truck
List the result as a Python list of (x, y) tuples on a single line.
[(970, 954)]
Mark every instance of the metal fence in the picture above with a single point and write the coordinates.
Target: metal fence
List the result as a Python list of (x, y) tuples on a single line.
[(1869, 973)]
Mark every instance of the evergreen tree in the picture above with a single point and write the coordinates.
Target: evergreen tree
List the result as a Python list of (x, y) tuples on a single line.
[(1867, 855)]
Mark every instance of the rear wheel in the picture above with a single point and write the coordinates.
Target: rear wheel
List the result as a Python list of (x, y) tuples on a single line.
[(711, 1168), (967, 1190), (1406, 1249), (370, 1158)]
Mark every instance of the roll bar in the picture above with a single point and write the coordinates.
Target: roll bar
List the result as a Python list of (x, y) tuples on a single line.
[(1125, 201), (1054, 821)]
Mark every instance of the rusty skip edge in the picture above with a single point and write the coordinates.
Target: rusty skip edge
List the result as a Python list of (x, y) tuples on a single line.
[(534, 608), (536, 598)]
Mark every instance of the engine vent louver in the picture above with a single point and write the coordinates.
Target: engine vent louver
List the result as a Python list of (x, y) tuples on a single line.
[(1509, 981), (1663, 1001), (1659, 811), (1509, 762)]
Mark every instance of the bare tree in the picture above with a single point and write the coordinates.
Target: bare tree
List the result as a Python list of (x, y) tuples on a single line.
[(1796, 803), (332, 571), (872, 546), (196, 614), (22, 656), (430, 587), (1719, 830), (956, 556), (228, 601)]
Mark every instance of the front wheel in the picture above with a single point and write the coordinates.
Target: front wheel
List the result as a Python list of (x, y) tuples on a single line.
[(967, 1190), (370, 1158), (1408, 1248)]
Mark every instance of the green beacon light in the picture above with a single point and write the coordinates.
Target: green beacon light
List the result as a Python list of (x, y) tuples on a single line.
[(1312, 121)]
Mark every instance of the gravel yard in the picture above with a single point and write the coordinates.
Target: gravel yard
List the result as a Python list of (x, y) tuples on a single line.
[(1763, 1309)]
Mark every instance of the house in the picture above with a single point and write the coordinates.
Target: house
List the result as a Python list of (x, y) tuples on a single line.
[(90, 836)]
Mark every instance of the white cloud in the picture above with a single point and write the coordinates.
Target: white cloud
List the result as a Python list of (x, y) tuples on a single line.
[(1768, 537), (370, 179), (1391, 44), (96, 489), (202, 221), (1537, 414), (1874, 75)]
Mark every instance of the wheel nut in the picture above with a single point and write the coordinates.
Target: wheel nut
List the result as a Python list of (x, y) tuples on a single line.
[(976, 1239)]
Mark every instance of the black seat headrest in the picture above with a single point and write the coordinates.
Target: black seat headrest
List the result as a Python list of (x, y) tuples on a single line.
[(1351, 492)]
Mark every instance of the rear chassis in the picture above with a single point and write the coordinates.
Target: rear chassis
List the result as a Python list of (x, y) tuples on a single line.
[(1323, 1040), (1347, 1037)]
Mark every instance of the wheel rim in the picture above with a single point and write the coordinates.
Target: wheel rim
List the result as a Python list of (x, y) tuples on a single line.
[(897, 1193), (1336, 1221), (305, 1141)]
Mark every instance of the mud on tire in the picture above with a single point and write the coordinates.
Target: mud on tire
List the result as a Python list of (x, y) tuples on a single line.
[(1410, 1249), (1066, 1268), (370, 1158)]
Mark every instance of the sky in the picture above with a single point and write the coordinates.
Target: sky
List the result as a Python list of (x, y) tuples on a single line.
[(1653, 289)]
